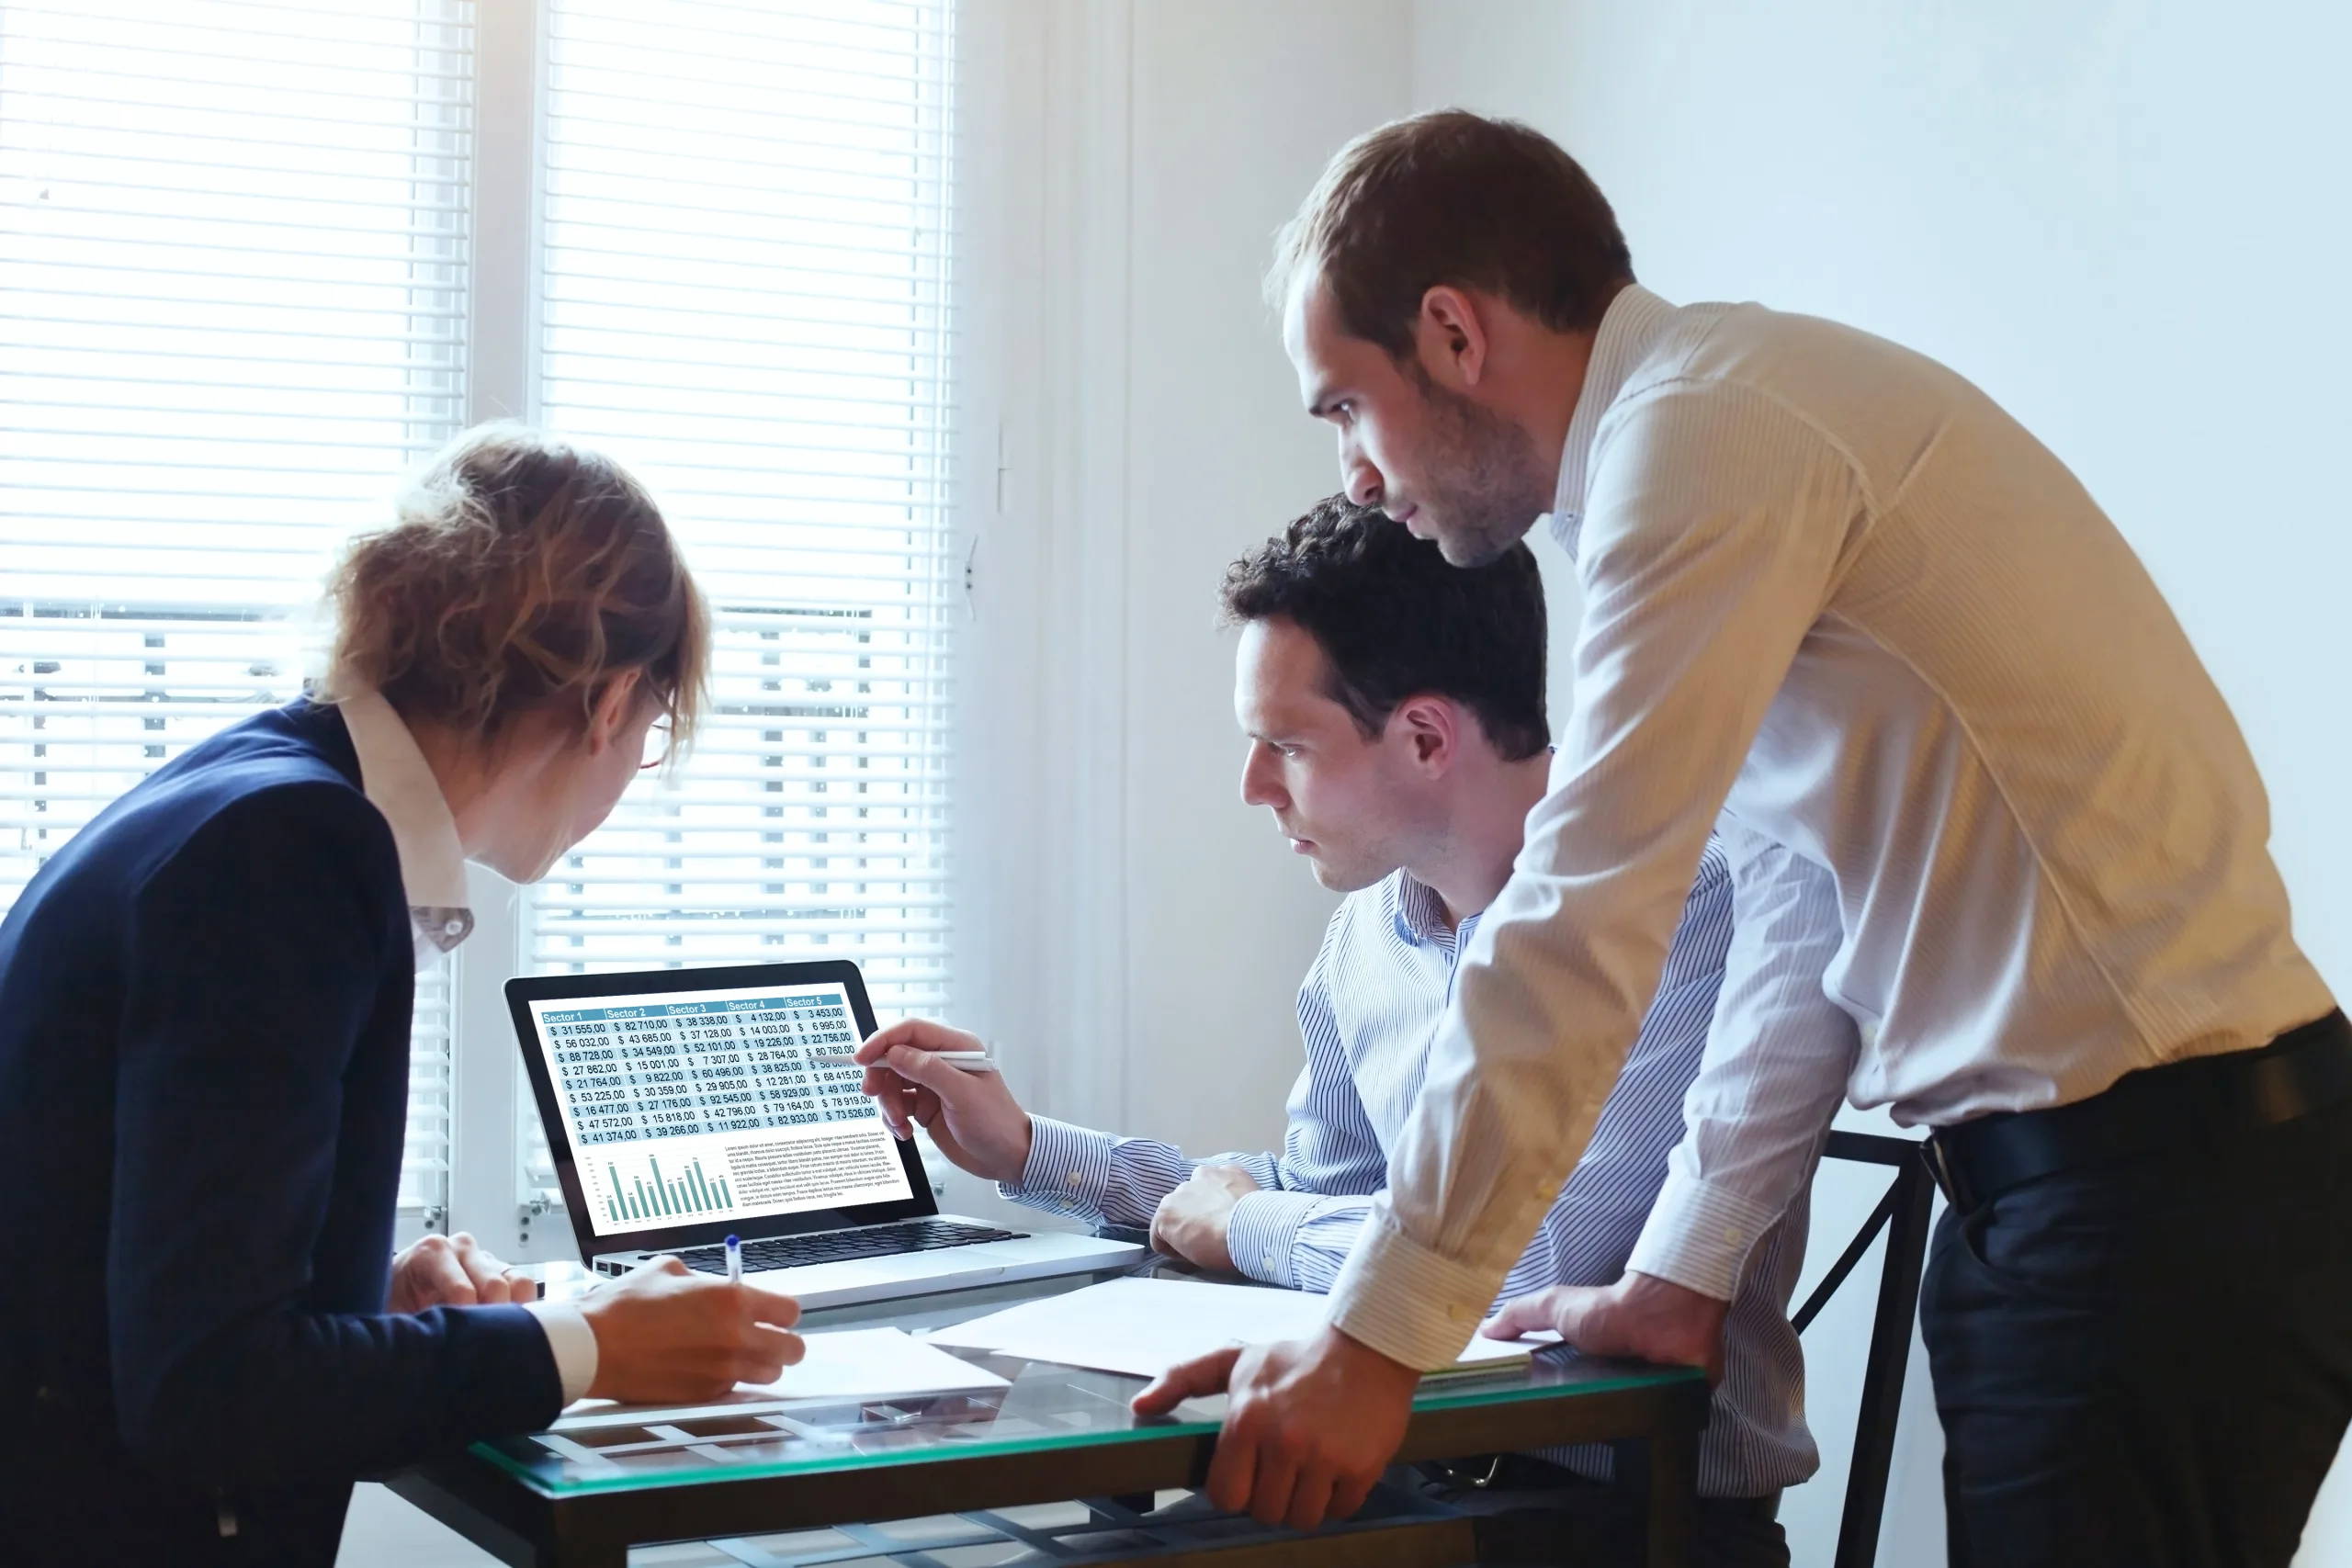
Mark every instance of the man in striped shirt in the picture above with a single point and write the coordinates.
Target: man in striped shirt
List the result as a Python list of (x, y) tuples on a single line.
[(1395, 710)]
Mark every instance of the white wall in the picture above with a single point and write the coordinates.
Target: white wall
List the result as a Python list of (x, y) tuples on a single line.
[(2127, 222), (1146, 932)]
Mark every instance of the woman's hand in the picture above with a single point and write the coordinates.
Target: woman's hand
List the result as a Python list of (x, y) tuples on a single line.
[(455, 1271), (665, 1335), (971, 1116)]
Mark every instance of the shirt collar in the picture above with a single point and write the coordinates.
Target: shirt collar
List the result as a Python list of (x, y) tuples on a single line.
[(400, 784), (1420, 912), (1629, 329)]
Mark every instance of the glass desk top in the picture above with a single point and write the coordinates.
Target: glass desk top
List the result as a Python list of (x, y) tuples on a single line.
[(1046, 1407)]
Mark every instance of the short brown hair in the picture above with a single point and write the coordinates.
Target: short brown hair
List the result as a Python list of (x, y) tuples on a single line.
[(1395, 621), (523, 573), (1454, 197)]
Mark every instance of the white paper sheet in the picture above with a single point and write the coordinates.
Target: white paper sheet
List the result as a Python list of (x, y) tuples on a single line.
[(855, 1363), (870, 1363), (1144, 1326)]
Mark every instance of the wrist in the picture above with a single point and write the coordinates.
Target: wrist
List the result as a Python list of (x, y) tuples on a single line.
[(1677, 1322), (1654, 1290), (1344, 1350)]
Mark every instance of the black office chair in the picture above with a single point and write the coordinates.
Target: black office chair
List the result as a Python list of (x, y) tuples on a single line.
[(1903, 1215)]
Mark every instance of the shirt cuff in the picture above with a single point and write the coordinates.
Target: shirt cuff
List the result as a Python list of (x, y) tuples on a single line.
[(1261, 1235), (1068, 1168), (573, 1343), (1699, 1236), (1415, 1306)]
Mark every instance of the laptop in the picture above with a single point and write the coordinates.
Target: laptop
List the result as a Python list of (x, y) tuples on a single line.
[(683, 1106)]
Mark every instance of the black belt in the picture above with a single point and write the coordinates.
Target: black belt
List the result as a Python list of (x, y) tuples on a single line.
[(2152, 1111)]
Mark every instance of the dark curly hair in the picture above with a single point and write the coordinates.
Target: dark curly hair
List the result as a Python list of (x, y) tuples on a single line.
[(1393, 620)]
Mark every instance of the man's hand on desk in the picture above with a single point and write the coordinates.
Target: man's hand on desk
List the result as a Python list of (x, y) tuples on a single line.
[(1311, 1424), (1192, 1221), (971, 1116), (1640, 1316), (666, 1335), (454, 1270)]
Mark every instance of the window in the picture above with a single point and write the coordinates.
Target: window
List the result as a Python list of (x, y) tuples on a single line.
[(744, 296), (233, 296), (241, 292)]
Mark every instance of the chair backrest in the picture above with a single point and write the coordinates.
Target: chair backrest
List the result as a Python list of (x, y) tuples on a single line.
[(1903, 1215)]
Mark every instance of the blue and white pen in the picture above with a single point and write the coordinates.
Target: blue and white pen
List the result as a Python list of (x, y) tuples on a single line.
[(734, 1261)]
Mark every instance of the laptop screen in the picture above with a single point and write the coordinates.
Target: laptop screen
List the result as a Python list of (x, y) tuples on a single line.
[(696, 1107)]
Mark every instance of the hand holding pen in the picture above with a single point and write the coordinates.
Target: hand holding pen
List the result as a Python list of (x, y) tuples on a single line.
[(943, 1080)]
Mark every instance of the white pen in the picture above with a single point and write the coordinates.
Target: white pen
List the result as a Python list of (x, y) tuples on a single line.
[(734, 1261), (963, 1061)]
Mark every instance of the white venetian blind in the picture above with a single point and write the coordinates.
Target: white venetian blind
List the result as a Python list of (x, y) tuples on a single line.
[(746, 291), (233, 272)]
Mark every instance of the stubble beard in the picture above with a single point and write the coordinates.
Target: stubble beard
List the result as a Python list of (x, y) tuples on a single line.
[(1491, 489)]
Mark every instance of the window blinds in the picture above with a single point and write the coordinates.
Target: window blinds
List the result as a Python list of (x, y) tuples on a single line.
[(234, 246), (744, 296)]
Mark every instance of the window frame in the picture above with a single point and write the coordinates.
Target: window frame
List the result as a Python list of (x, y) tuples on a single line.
[(489, 1100)]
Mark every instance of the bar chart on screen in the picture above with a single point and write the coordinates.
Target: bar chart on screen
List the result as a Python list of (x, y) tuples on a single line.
[(642, 1189)]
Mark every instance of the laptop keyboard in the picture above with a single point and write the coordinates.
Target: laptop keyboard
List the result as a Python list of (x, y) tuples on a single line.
[(836, 1246)]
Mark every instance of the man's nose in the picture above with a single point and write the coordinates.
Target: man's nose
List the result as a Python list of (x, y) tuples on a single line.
[(1258, 784), (1358, 477)]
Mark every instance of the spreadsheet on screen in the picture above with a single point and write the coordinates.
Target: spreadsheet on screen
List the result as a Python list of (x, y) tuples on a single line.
[(685, 1106)]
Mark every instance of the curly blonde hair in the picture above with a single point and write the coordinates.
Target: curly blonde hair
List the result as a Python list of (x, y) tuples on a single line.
[(523, 573)]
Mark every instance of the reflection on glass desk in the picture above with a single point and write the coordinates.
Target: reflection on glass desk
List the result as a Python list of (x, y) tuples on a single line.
[(746, 1472), (1046, 1407)]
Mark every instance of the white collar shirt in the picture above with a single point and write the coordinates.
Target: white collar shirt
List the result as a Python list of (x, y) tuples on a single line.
[(400, 784), (1970, 775)]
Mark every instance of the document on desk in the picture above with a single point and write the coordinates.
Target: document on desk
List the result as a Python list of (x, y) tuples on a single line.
[(1144, 1326), (855, 1363)]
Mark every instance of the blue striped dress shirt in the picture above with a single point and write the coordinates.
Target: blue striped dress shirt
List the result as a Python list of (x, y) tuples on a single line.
[(1369, 1011)]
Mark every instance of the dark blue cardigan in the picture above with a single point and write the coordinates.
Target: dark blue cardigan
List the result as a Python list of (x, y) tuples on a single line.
[(204, 1044)]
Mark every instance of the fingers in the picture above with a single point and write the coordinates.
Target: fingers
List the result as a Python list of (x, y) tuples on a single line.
[(894, 1098), (769, 1351), (1521, 1314), (1187, 1380), (761, 1306), (908, 1086), (949, 1082), (436, 1275), (1269, 1489), (1233, 1469), (1310, 1499), (485, 1273), (917, 1033), (1348, 1494)]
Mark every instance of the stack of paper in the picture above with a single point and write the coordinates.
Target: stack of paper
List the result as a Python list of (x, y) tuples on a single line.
[(1145, 1327)]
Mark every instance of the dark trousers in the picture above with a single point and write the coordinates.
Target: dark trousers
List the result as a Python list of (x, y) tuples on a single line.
[(2148, 1363), (1538, 1515)]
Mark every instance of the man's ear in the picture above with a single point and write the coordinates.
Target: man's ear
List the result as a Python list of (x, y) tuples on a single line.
[(1431, 726), (1450, 337)]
